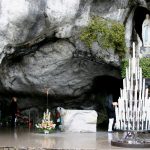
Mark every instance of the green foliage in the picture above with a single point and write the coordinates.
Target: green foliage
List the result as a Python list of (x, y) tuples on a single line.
[(124, 64), (109, 34), (144, 64)]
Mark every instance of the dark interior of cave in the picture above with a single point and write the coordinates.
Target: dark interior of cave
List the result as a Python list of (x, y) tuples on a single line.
[(102, 86), (139, 16), (105, 84)]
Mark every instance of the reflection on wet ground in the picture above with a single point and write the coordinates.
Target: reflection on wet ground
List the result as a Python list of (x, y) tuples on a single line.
[(24, 139)]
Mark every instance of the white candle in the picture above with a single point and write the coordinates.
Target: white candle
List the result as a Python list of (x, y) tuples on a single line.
[(135, 99), (133, 50), (127, 74), (129, 68), (133, 120), (127, 82), (140, 80), (131, 83), (121, 92), (124, 84), (137, 120), (117, 117), (138, 68), (135, 93), (133, 65), (146, 93), (143, 89), (146, 128)]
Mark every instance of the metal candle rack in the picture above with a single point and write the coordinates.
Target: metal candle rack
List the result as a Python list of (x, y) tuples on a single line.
[(133, 110)]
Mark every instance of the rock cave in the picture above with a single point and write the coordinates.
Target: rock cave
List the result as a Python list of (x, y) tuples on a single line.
[(37, 53)]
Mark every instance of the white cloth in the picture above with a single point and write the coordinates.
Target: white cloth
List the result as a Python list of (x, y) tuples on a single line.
[(78, 120)]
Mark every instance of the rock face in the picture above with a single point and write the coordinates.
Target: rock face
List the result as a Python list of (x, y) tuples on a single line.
[(53, 67), (38, 40)]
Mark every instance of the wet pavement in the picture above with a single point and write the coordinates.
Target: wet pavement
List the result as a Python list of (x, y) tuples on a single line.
[(24, 139)]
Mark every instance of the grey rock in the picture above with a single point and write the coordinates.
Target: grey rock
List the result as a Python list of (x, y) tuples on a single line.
[(40, 58), (53, 67)]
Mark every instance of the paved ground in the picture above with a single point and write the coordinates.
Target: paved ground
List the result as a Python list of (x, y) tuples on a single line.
[(25, 139)]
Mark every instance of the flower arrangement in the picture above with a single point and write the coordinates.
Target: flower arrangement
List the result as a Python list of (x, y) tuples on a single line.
[(47, 125)]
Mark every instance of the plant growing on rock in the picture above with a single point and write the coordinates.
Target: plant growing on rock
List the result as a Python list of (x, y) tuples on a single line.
[(109, 34)]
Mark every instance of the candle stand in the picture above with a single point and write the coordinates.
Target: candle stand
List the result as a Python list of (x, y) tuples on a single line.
[(131, 139), (133, 110)]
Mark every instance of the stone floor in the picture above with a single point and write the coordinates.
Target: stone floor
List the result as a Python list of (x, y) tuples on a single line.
[(21, 139)]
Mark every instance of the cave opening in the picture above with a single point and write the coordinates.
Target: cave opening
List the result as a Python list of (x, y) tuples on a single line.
[(102, 85), (139, 16)]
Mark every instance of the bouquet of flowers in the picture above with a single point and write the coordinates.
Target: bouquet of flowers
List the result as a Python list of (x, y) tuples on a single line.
[(46, 125)]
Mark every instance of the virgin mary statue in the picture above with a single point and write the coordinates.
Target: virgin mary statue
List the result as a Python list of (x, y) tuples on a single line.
[(146, 31)]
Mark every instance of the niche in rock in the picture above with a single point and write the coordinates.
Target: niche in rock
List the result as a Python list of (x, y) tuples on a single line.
[(139, 16)]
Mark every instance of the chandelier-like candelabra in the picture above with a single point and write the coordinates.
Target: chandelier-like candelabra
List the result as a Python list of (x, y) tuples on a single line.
[(133, 110)]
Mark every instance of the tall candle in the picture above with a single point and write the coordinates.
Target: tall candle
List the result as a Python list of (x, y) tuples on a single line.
[(146, 122), (146, 93), (127, 74), (138, 120), (127, 83), (140, 80), (129, 68), (133, 65), (143, 89), (133, 50), (138, 68), (124, 84)]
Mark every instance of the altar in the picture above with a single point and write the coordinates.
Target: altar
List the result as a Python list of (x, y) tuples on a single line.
[(78, 120)]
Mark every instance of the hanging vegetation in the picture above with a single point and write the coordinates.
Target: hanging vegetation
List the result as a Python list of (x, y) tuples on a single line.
[(109, 35)]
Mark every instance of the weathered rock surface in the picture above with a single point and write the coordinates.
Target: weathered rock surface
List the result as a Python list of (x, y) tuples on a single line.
[(38, 40), (52, 66)]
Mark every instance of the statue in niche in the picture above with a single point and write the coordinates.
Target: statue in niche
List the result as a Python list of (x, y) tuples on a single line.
[(146, 31)]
